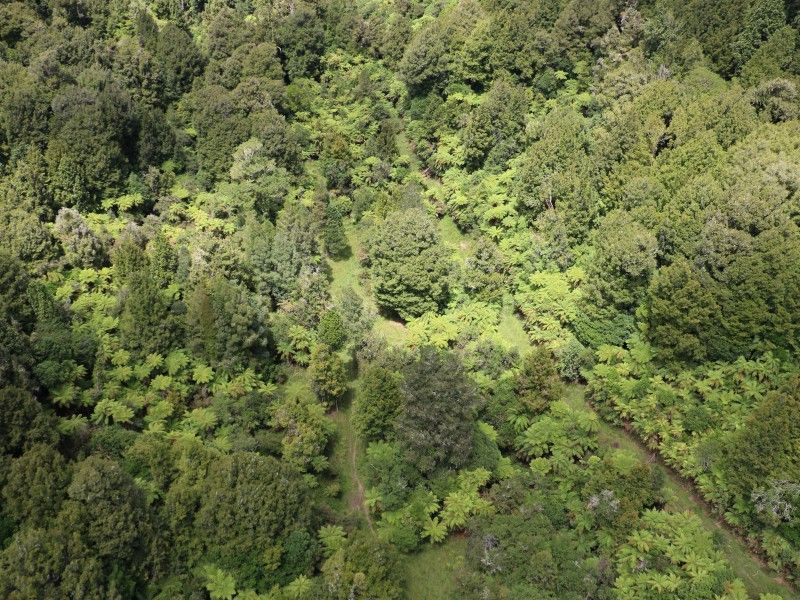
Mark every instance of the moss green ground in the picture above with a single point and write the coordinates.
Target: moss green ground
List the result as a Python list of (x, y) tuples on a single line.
[(431, 572)]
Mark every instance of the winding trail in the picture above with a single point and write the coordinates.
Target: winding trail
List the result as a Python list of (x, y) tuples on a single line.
[(357, 499), (345, 458)]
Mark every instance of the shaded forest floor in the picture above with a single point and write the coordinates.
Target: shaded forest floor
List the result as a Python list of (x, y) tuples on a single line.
[(431, 572)]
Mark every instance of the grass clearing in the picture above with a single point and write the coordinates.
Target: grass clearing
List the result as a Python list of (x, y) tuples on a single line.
[(298, 383), (431, 572), (455, 240), (346, 272), (512, 331)]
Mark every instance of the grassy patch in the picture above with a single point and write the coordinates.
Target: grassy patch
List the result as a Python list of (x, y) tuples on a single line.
[(346, 272), (512, 331), (298, 383), (430, 574), (453, 238), (340, 460)]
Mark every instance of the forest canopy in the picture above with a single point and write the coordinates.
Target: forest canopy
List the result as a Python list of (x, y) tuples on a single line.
[(299, 299)]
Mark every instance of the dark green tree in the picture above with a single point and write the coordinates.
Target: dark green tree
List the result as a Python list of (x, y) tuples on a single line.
[(249, 504), (179, 59), (294, 246), (537, 383), (334, 238), (24, 423), (226, 325), (17, 320), (152, 321), (409, 266), (494, 132), (625, 257), (301, 39), (435, 424), (331, 330), (328, 376), (36, 486), (378, 403), (88, 153), (682, 312), (106, 528), (762, 19)]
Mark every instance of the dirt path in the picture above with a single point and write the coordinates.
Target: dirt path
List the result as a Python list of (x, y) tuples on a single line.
[(345, 464), (357, 499)]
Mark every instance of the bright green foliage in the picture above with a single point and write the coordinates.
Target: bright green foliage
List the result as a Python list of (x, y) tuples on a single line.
[(333, 538), (670, 556), (219, 584), (559, 437), (465, 501), (410, 269), (550, 302)]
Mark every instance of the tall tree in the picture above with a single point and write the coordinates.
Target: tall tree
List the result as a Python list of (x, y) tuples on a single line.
[(435, 425), (409, 266)]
